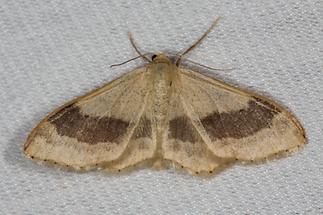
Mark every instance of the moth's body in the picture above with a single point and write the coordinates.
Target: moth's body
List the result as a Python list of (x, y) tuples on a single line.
[(162, 113), (162, 73)]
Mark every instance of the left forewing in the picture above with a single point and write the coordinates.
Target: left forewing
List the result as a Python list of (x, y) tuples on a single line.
[(94, 129)]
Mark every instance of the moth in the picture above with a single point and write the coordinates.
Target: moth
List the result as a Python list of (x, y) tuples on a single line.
[(161, 115)]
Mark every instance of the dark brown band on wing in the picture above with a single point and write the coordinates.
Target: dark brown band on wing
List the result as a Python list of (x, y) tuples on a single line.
[(182, 129), (72, 123), (241, 123)]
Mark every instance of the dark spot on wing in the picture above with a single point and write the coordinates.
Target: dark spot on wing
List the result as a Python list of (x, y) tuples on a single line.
[(181, 128), (241, 123), (72, 123)]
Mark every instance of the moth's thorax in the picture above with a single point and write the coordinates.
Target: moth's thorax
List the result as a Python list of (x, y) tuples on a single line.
[(162, 73)]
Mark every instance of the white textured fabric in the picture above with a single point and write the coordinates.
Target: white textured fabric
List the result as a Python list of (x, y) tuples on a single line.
[(53, 51)]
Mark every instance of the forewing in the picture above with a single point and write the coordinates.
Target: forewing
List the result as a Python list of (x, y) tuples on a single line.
[(238, 124), (94, 129)]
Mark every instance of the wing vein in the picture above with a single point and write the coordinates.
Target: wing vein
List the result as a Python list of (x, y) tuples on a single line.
[(189, 113)]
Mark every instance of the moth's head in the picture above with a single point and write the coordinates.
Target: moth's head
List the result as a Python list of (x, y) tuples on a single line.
[(160, 58)]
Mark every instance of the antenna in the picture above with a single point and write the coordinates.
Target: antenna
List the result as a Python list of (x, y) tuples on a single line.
[(178, 61)]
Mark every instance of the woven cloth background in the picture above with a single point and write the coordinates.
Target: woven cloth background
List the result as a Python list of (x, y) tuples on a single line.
[(52, 51)]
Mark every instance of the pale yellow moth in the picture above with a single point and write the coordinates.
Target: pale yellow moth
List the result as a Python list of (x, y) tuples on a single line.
[(164, 114)]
